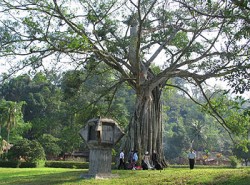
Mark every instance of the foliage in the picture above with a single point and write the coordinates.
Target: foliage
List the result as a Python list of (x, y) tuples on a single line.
[(232, 114), (17, 164), (9, 164), (50, 145), (11, 121), (28, 150), (41, 97), (102, 35), (234, 161), (98, 94), (28, 164), (241, 152), (53, 115), (186, 126), (44, 108), (11, 114), (182, 123), (67, 164)]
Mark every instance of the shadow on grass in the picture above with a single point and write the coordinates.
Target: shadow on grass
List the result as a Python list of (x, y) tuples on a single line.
[(168, 176), (231, 180), (72, 177)]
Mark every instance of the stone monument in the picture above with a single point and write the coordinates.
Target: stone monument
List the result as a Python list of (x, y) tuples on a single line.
[(100, 134)]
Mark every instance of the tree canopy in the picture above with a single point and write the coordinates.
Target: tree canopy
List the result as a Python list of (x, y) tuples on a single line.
[(197, 41)]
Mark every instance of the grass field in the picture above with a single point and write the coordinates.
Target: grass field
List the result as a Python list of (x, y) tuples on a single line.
[(174, 176)]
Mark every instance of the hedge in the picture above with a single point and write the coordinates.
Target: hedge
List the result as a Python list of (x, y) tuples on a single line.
[(51, 164), (67, 164), (70, 164), (199, 166), (17, 164)]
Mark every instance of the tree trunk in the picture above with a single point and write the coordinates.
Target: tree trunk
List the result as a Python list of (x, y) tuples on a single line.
[(145, 128)]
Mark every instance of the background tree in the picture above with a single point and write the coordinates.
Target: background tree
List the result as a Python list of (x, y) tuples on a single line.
[(188, 126), (11, 117), (42, 101), (194, 41), (58, 109), (179, 114), (242, 153), (235, 114), (50, 146)]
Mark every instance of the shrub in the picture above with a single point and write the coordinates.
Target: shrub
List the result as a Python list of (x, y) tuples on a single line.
[(70, 164), (67, 164), (29, 150), (50, 145), (9, 164), (28, 165), (234, 161), (17, 164)]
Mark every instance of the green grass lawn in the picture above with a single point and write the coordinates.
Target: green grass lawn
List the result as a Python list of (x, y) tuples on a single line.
[(174, 176)]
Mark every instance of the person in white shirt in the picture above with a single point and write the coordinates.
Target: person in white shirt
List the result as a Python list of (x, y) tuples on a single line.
[(191, 158), (122, 162)]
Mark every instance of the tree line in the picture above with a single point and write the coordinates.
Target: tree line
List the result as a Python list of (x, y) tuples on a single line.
[(50, 109)]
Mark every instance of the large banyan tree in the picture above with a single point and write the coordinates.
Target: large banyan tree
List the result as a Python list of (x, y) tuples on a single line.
[(189, 39)]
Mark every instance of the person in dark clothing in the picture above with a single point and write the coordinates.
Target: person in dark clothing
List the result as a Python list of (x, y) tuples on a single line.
[(157, 165), (144, 165), (129, 164), (191, 158), (130, 157), (122, 162), (154, 158)]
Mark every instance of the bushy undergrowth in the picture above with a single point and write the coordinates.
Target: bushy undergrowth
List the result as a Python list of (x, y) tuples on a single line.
[(18, 164), (234, 161), (28, 150), (70, 164), (67, 164)]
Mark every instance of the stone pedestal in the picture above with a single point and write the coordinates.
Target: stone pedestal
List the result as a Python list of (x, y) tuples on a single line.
[(100, 160), (100, 135)]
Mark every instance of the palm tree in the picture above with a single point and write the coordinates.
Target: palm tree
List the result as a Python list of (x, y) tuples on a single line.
[(9, 113), (11, 121), (198, 136)]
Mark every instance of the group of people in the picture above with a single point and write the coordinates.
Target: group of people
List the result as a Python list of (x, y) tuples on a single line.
[(148, 162), (132, 160)]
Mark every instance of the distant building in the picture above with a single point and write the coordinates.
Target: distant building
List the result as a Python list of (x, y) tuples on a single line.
[(77, 155)]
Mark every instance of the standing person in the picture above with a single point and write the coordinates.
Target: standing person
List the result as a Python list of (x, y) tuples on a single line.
[(191, 158), (135, 159), (154, 158), (122, 162), (130, 158)]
